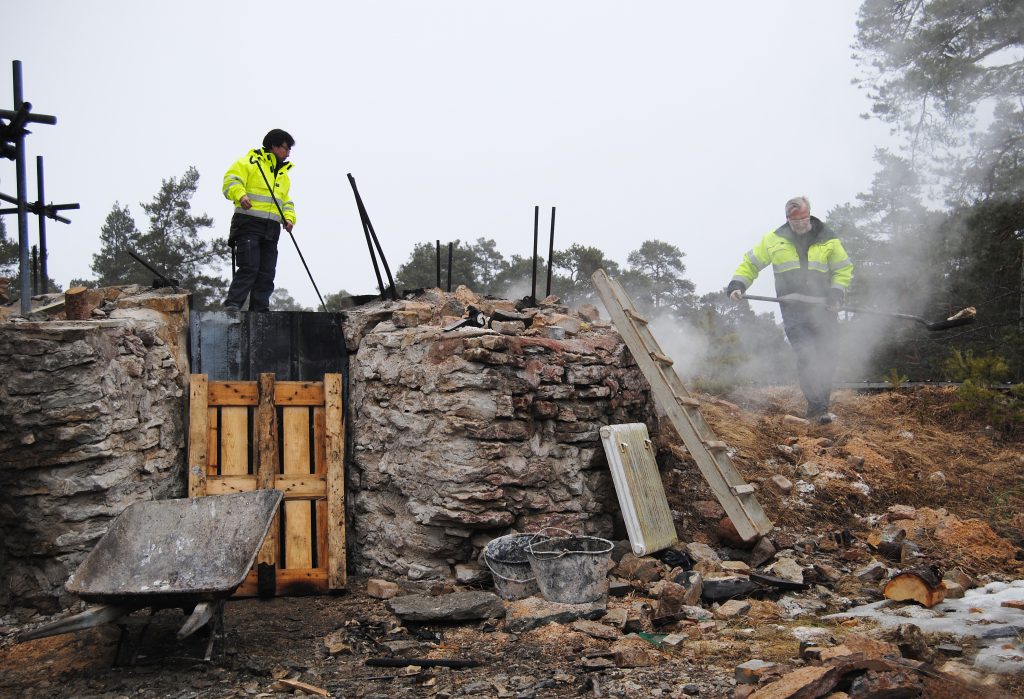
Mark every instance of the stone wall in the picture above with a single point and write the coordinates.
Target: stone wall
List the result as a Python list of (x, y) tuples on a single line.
[(92, 421), (455, 436), (463, 436)]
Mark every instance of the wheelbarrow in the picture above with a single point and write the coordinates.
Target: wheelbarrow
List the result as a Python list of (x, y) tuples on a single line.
[(191, 554)]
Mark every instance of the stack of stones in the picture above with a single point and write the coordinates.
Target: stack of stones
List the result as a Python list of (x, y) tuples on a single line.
[(466, 434), (92, 421)]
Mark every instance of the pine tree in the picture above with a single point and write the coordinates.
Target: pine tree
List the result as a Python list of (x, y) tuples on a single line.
[(112, 265), (172, 244)]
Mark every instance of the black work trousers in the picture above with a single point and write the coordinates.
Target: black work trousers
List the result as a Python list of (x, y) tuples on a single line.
[(256, 265), (254, 242), (813, 337)]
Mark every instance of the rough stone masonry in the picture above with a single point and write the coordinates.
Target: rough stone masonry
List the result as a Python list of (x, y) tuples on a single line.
[(455, 437), (462, 436), (92, 421)]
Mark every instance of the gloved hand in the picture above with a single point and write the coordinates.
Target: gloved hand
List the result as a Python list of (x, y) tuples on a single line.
[(836, 297), (735, 290)]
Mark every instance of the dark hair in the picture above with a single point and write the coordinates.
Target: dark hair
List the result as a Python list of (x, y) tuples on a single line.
[(278, 137)]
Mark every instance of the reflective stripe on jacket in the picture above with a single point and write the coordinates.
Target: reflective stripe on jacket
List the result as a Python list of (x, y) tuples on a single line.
[(808, 265), (244, 177)]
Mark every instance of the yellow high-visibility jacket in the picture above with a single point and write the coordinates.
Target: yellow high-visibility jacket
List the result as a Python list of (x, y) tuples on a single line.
[(244, 177), (808, 265)]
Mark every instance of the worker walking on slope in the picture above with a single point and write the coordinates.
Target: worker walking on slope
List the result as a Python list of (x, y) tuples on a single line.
[(807, 259), (259, 185)]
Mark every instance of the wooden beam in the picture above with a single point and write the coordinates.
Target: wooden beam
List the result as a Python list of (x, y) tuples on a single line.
[(334, 428), (299, 581), (267, 464), (198, 435), (299, 393), (234, 441), (233, 393), (298, 522), (302, 487)]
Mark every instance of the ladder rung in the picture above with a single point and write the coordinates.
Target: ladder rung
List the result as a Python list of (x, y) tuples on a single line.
[(661, 358), (745, 489), (687, 401), (633, 315), (712, 444)]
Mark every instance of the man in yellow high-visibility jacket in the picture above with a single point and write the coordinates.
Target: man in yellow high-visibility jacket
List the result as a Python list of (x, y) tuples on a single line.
[(807, 259), (259, 185)]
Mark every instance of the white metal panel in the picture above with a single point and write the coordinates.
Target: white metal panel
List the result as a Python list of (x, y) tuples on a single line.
[(639, 488)]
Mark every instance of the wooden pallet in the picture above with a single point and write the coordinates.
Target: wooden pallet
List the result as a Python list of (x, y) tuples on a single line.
[(288, 435), (711, 455)]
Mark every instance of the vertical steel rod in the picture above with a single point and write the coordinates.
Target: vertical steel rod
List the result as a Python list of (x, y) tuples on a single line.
[(437, 251), (533, 282), (19, 145), (44, 273), (551, 249), (35, 270), (451, 247)]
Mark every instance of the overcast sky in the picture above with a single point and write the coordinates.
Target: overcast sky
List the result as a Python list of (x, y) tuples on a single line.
[(682, 121)]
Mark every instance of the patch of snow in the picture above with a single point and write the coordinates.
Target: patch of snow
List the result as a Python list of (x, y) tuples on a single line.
[(979, 614)]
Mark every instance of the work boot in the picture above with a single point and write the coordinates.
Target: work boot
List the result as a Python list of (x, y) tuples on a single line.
[(826, 418)]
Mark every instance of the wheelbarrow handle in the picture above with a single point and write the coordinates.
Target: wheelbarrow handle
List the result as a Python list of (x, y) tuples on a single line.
[(93, 616)]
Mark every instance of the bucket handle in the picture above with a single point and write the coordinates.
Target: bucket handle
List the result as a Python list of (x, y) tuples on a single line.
[(551, 555), (540, 532), (496, 574), (529, 544)]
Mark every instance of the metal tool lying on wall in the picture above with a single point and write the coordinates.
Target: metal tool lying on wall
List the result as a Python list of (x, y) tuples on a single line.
[(160, 280), (190, 553), (474, 318), (965, 316)]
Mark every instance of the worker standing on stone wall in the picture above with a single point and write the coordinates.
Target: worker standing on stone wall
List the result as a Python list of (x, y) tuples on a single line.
[(259, 185), (807, 259)]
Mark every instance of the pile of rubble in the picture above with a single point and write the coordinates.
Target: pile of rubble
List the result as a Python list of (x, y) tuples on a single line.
[(769, 600)]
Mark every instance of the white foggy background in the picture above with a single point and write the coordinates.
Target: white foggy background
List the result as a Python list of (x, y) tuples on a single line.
[(690, 123)]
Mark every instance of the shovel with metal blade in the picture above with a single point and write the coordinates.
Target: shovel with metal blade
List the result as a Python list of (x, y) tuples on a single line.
[(962, 317)]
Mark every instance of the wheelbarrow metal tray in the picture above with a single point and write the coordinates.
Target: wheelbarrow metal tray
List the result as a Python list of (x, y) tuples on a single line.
[(158, 552)]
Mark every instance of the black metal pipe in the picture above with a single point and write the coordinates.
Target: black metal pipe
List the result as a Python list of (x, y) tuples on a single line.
[(19, 158), (32, 118), (372, 240), (551, 249), (284, 221), (35, 271), (43, 272), (437, 256), (533, 279), (451, 247)]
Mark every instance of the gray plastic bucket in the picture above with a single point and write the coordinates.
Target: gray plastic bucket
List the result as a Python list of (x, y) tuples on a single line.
[(571, 569), (510, 568)]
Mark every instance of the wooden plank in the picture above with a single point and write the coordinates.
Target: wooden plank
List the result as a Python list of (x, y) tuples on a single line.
[(299, 393), (298, 522), (320, 468), (233, 393), (295, 582), (199, 434), (306, 487), (267, 462), (212, 460), (234, 441), (334, 444)]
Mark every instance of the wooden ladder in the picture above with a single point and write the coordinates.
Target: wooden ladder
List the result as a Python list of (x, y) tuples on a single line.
[(234, 446), (711, 454)]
